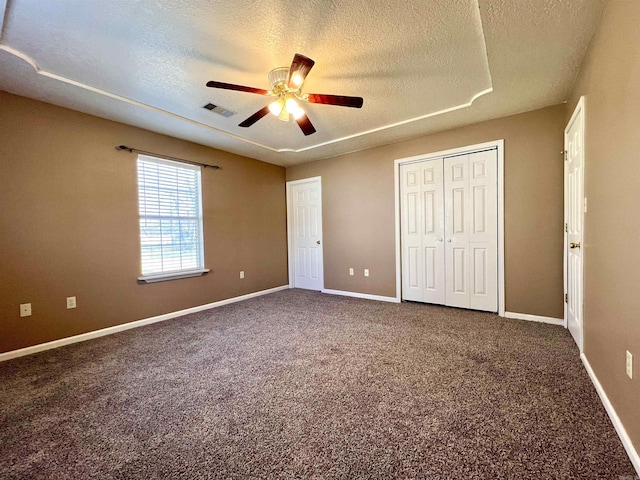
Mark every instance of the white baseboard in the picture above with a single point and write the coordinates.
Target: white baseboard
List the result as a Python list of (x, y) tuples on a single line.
[(534, 318), (127, 326), (367, 296), (622, 433)]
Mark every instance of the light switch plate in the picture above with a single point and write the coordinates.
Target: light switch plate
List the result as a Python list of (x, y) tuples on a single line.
[(71, 302), (629, 367), (366, 272)]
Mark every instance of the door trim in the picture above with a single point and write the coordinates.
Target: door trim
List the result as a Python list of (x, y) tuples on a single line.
[(499, 146), (290, 255), (580, 109)]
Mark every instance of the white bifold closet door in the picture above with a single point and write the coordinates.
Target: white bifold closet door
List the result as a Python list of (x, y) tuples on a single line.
[(422, 219), (449, 231)]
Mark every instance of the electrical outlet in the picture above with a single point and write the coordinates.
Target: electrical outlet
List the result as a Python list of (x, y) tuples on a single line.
[(629, 364), (25, 309), (351, 271), (366, 272), (71, 302), (241, 273)]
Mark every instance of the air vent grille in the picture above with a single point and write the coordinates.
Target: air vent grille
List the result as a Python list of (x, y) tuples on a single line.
[(219, 110)]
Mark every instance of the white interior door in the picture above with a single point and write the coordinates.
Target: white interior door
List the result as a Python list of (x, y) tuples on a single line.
[(305, 224), (574, 219), (422, 220)]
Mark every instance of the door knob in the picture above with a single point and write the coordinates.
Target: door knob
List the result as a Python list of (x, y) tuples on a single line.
[(574, 245), (449, 240), (439, 239), (318, 242)]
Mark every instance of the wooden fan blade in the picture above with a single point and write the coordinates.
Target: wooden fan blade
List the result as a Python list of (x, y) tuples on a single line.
[(255, 117), (300, 67), (239, 88), (305, 125), (339, 100)]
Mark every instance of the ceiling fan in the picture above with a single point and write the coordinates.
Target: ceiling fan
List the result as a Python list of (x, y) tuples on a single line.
[(286, 84)]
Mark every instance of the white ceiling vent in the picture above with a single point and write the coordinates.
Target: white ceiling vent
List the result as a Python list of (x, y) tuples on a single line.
[(218, 109)]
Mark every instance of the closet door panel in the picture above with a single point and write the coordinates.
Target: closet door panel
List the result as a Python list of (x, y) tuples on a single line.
[(433, 232), (411, 217), (457, 230), (483, 235)]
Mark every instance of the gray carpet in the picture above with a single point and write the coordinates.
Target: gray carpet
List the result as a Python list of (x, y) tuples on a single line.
[(299, 384)]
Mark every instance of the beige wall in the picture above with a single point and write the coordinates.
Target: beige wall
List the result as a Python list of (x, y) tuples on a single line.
[(610, 81), (358, 209), (69, 224)]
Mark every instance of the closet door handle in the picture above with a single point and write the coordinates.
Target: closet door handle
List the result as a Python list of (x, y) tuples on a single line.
[(449, 240), (440, 240)]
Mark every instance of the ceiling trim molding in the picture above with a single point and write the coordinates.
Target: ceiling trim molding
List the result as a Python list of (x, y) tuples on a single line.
[(137, 103), (398, 124)]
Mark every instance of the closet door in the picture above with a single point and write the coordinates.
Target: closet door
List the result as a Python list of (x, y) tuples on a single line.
[(422, 219), (471, 206), (449, 219), (483, 234), (457, 208), (411, 221), (433, 287)]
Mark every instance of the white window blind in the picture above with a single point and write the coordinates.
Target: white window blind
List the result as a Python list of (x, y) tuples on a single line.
[(170, 201)]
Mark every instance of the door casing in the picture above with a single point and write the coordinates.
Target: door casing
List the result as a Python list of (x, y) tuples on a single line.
[(499, 146)]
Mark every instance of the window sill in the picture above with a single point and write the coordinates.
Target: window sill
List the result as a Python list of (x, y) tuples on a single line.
[(172, 276)]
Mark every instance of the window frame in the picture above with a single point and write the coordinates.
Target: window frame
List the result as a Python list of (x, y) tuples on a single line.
[(174, 274)]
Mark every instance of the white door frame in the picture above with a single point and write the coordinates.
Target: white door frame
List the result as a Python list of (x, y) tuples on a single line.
[(499, 146), (580, 109), (290, 254)]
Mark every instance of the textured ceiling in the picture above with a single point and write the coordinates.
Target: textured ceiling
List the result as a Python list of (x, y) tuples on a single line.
[(421, 66)]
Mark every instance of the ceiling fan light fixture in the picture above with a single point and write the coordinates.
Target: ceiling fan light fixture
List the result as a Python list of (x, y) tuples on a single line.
[(284, 115), (291, 105), (293, 108), (298, 114), (279, 109), (276, 107), (297, 79)]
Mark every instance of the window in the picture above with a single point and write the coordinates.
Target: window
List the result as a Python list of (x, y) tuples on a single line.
[(170, 201)]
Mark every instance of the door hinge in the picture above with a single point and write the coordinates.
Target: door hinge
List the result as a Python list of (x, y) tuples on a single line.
[(566, 228), (565, 155), (566, 298)]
